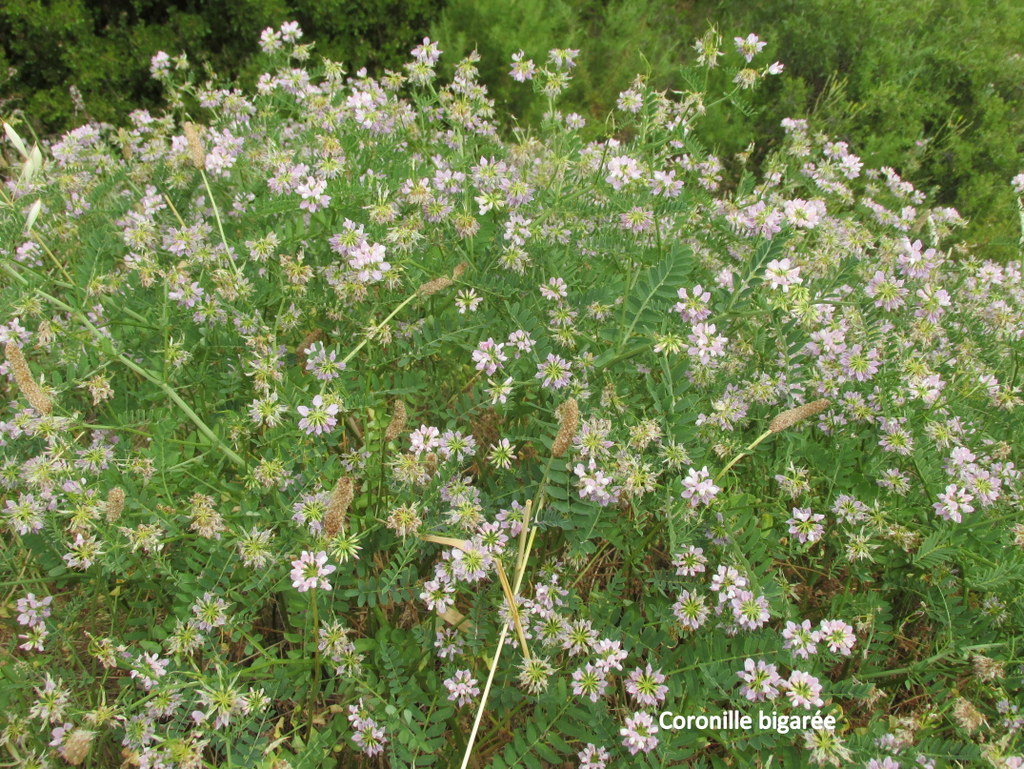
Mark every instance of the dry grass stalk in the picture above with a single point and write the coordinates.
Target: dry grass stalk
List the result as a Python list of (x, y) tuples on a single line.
[(33, 393), (397, 424), (195, 145), (456, 619), (787, 419), (568, 420), (506, 587), (337, 505)]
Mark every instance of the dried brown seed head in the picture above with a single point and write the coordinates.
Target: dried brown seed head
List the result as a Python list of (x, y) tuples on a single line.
[(76, 747), (787, 419), (397, 424), (115, 504), (568, 420), (33, 393), (195, 145), (433, 286), (337, 505)]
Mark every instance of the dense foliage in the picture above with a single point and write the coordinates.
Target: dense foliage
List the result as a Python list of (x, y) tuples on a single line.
[(101, 47), (339, 430), (932, 88)]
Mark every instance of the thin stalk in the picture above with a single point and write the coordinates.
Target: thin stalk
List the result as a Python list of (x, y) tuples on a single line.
[(742, 454), (149, 376), (524, 556), (220, 224), (315, 688), (366, 338)]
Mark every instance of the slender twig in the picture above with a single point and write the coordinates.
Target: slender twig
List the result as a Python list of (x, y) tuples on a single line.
[(315, 688), (526, 544), (506, 588)]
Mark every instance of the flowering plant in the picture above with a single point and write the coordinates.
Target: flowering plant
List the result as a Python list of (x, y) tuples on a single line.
[(335, 420)]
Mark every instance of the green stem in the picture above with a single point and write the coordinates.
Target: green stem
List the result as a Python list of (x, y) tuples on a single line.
[(314, 690), (384, 322), (945, 653), (147, 375), (220, 224), (742, 454)]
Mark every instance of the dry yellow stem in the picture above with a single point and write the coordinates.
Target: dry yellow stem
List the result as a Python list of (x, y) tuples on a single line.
[(513, 606), (456, 619)]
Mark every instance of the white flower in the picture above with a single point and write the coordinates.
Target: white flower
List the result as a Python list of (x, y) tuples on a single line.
[(310, 571)]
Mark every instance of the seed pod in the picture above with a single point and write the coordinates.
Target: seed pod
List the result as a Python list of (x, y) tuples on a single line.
[(430, 463), (33, 393), (76, 747), (337, 505), (433, 286), (397, 424), (313, 336), (115, 504), (568, 420), (460, 268), (195, 145), (789, 418)]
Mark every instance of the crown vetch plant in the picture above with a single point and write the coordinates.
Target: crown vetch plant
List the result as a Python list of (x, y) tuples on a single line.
[(341, 430)]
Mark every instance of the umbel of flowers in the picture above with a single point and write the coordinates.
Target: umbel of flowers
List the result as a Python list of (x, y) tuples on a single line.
[(343, 426)]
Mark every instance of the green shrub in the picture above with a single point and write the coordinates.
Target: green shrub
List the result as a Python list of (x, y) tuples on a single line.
[(932, 88), (103, 48), (335, 425)]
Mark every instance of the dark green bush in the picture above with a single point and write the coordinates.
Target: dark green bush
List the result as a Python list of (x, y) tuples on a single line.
[(933, 88), (616, 39), (102, 46)]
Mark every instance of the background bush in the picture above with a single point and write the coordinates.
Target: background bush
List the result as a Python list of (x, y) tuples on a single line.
[(932, 88), (103, 47)]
